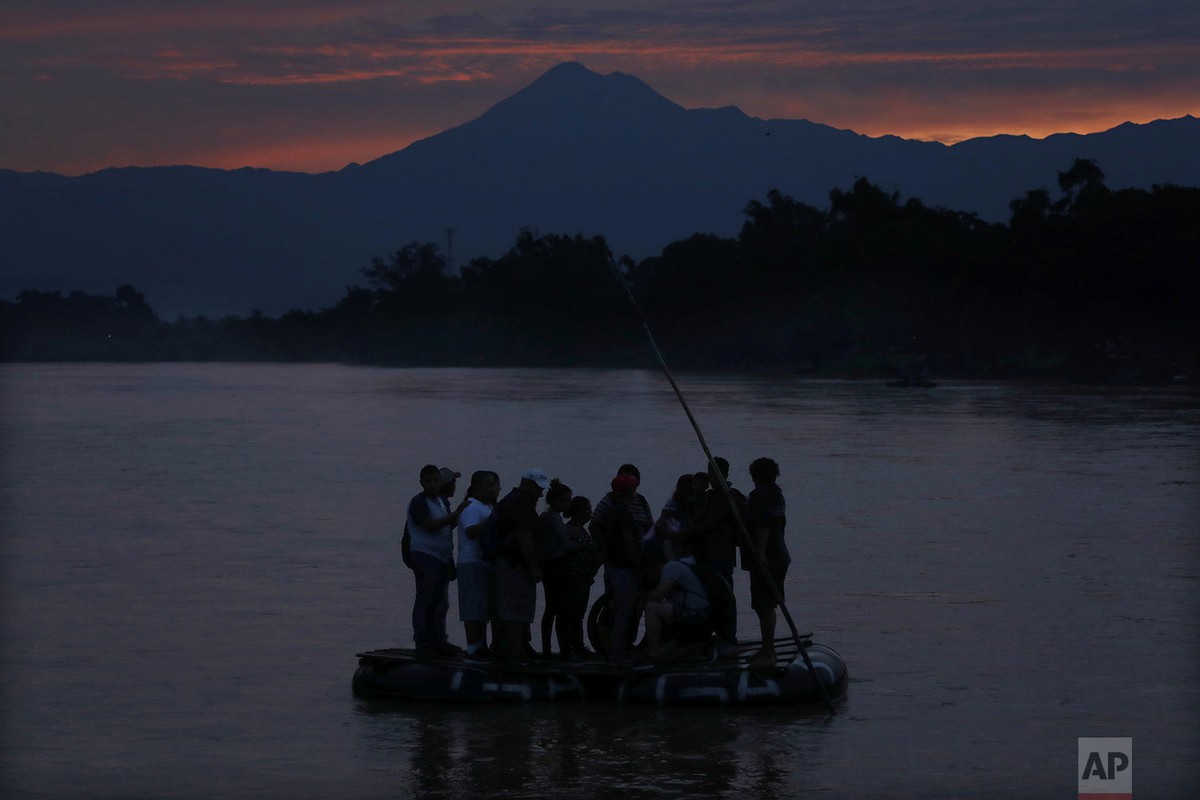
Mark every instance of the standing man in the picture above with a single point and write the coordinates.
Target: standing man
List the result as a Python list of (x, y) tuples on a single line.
[(621, 519), (475, 573), (768, 518), (430, 527), (717, 531), (517, 569)]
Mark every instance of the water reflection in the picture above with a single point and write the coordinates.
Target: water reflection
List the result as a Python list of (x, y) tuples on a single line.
[(551, 386), (523, 750)]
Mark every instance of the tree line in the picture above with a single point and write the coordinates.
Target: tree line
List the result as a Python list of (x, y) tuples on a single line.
[(1086, 282)]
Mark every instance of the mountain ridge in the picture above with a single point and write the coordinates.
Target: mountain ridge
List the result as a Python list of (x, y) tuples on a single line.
[(573, 152)]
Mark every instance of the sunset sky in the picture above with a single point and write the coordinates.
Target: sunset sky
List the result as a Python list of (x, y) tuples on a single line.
[(312, 85)]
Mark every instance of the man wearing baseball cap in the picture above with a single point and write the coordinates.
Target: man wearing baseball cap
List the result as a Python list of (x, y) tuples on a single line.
[(517, 569), (430, 528)]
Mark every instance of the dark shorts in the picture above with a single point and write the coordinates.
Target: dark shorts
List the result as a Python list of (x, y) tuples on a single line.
[(516, 593), (761, 596)]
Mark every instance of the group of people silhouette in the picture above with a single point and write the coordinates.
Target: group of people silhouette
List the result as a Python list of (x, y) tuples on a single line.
[(676, 571)]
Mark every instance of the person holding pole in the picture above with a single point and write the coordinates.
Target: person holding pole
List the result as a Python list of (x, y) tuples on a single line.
[(767, 518), (747, 545), (716, 530)]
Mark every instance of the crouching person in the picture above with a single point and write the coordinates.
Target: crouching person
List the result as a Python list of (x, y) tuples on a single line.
[(681, 611)]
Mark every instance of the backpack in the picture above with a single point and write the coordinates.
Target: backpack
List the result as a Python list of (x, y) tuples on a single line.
[(494, 542), (726, 524), (720, 601), (406, 547)]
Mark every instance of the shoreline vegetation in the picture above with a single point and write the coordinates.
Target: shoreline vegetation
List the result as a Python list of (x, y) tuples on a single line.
[(1094, 285)]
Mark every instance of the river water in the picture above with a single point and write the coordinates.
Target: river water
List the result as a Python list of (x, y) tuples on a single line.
[(192, 555)]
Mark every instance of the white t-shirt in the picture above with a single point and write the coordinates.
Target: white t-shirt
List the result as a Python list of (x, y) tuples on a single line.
[(475, 513), (437, 543)]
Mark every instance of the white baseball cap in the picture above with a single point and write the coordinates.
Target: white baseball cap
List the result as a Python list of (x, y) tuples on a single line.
[(538, 477)]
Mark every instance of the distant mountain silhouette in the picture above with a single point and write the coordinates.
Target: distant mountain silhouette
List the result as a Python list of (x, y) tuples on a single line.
[(574, 152)]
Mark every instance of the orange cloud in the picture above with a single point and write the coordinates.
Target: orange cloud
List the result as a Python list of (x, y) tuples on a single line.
[(317, 153), (411, 58), (816, 69), (1036, 113)]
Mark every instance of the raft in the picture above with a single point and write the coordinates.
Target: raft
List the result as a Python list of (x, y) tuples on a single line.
[(397, 674)]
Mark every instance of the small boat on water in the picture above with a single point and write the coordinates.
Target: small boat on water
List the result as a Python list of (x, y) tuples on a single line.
[(914, 376), (397, 674)]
